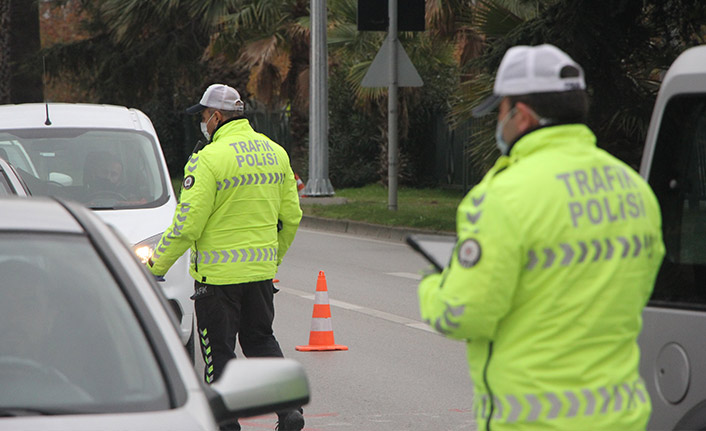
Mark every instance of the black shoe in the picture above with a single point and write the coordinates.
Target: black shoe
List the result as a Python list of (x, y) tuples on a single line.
[(230, 426), (292, 421)]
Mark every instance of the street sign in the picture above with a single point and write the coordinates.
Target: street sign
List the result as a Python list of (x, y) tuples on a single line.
[(378, 74), (373, 15)]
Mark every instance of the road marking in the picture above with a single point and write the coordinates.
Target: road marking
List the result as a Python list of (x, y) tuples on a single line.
[(364, 310), (406, 275)]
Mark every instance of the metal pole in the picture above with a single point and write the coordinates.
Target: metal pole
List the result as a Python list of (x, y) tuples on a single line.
[(392, 110), (318, 183)]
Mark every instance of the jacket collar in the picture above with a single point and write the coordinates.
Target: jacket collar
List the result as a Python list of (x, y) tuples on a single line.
[(234, 124), (553, 137)]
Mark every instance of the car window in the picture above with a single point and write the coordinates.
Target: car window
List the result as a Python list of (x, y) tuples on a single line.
[(99, 168), (5, 188), (678, 177), (69, 338), (13, 152)]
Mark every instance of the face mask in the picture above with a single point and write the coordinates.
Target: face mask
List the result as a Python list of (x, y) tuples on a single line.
[(499, 140), (204, 128)]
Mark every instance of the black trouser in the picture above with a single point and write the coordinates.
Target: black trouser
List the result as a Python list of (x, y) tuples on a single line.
[(222, 312)]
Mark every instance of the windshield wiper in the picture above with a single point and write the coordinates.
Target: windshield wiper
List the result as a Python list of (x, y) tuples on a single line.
[(7, 412)]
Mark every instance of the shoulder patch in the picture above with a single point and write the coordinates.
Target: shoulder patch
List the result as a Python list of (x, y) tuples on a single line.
[(469, 253), (188, 182)]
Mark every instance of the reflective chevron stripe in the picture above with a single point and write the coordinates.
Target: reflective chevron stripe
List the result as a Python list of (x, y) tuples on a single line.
[(595, 250), (240, 255), (250, 179), (552, 405), (207, 357), (175, 232), (475, 215), (442, 327), (191, 165)]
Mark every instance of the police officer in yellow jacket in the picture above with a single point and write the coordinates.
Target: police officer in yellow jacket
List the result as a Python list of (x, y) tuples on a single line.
[(238, 212), (557, 252)]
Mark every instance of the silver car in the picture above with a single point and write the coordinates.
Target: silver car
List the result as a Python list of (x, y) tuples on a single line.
[(88, 341)]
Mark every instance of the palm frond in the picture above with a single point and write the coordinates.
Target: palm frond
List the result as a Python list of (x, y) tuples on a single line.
[(259, 51), (363, 94), (495, 20)]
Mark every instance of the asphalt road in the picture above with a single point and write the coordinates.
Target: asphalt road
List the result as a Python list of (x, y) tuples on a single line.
[(397, 373)]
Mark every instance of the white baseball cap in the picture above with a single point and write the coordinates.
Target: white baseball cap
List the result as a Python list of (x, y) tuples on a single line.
[(532, 69), (218, 96)]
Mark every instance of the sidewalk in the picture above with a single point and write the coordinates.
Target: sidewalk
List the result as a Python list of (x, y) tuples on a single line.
[(389, 233)]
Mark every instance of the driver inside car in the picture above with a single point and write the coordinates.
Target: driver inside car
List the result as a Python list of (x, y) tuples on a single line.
[(103, 173), (105, 178)]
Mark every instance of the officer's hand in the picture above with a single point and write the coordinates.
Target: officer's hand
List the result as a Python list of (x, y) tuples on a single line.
[(159, 277)]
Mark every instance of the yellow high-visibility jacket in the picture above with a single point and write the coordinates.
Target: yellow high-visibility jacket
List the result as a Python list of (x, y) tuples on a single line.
[(235, 192), (558, 249)]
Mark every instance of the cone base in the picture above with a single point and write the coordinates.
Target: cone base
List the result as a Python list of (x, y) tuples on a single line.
[(320, 348)]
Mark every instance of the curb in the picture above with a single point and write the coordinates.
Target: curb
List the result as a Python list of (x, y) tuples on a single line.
[(389, 233)]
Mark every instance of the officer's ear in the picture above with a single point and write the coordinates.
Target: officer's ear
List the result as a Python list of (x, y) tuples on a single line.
[(526, 117)]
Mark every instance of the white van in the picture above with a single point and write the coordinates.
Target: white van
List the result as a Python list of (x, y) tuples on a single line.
[(673, 340), (108, 158)]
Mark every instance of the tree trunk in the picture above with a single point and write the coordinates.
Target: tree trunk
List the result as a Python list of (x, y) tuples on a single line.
[(4, 51), (24, 45)]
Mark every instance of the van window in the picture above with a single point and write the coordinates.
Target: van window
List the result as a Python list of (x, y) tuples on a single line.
[(678, 178), (101, 168)]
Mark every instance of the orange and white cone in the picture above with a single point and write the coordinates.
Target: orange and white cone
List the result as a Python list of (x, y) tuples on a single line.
[(321, 334), (300, 185)]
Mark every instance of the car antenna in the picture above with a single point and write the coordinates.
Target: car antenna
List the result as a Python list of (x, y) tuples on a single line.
[(46, 105)]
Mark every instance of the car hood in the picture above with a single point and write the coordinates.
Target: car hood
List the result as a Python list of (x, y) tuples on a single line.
[(136, 225), (149, 421), (194, 415)]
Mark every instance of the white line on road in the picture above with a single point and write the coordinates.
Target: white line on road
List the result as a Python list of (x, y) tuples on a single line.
[(406, 275), (364, 310)]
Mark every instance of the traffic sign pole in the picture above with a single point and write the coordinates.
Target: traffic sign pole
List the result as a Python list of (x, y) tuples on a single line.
[(392, 112), (318, 183)]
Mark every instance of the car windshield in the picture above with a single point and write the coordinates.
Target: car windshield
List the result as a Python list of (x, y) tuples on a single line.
[(103, 169), (70, 341)]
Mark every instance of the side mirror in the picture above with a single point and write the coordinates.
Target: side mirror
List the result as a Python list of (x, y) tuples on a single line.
[(63, 179), (251, 387)]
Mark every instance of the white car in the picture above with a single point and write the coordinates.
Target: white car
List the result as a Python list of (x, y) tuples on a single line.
[(108, 158), (87, 340)]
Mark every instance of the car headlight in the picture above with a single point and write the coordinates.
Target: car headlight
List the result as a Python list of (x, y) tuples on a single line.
[(145, 248)]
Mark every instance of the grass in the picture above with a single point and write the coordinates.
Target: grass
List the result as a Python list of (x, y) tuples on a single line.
[(433, 209)]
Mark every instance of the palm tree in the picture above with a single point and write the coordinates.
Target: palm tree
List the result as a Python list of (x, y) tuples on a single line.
[(20, 67), (270, 40), (623, 47), (5, 51), (145, 55)]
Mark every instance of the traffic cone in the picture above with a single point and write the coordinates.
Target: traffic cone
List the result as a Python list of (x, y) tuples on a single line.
[(321, 334), (300, 185)]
